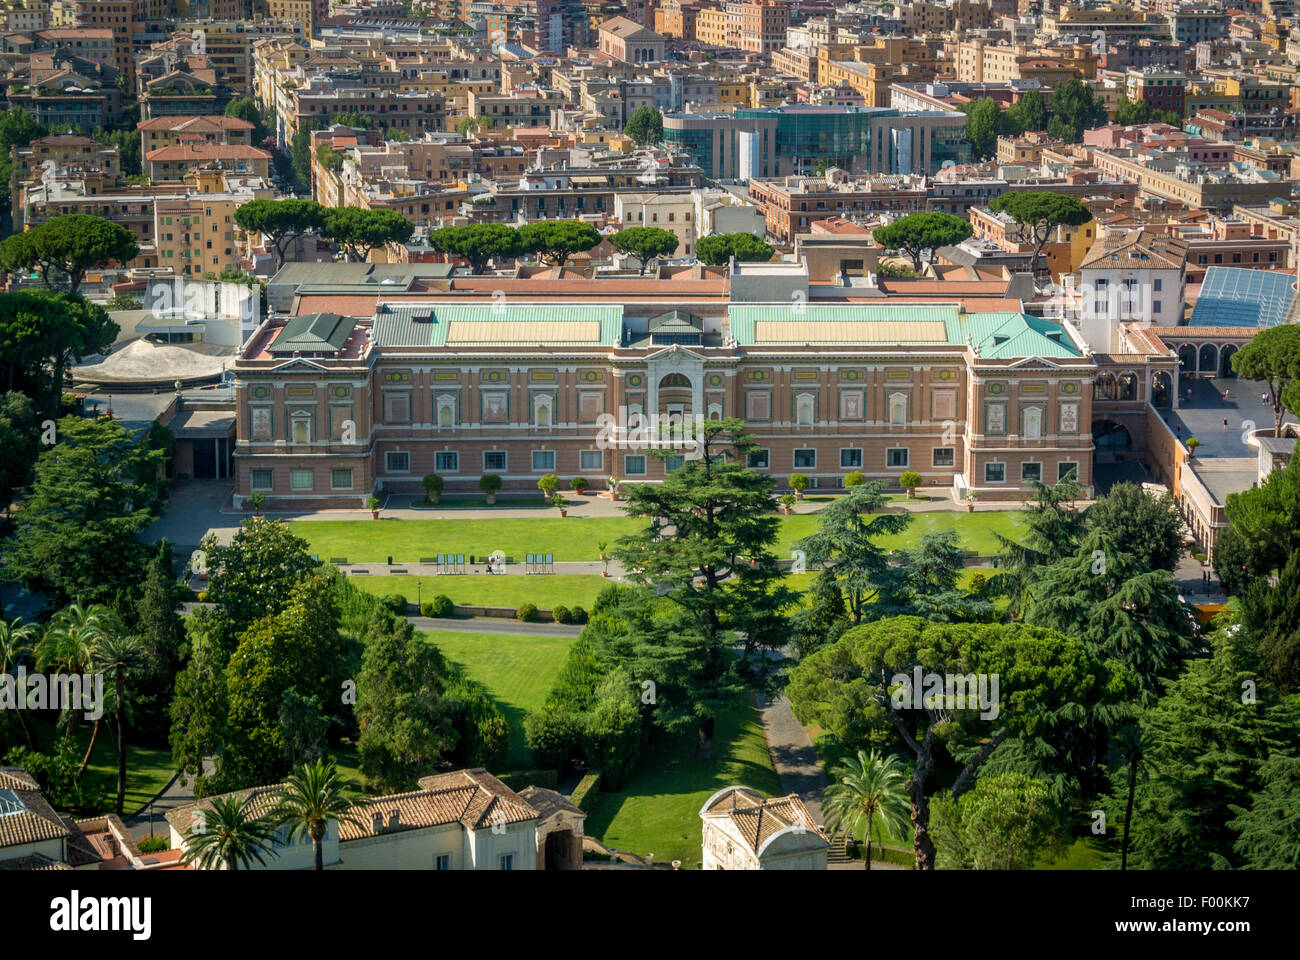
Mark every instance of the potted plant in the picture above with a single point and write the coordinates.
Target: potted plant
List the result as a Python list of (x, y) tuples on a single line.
[(490, 483), (1192, 444), (613, 487), (971, 497), (373, 504), (909, 481), (787, 503), (558, 501), (432, 484), (255, 501), (548, 484), (604, 557), (579, 485), (798, 483)]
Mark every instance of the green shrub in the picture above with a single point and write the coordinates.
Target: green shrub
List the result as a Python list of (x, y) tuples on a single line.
[(854, 478), (203, 596), (395, 602), (577, 615), (552, 735), (439, 606), (587, 788), (561, 614), (527, 612), (154, 844), (518, 779)]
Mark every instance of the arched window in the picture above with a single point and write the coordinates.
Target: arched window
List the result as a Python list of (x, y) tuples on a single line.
[(804, 405), (675, 381), (1209, 358), (1128, 385), (1103, 388), (715, 411), (1161, 390), (898, 408)]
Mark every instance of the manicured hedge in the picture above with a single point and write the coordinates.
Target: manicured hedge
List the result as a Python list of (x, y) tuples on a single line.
[(518, 779), (587, 788)]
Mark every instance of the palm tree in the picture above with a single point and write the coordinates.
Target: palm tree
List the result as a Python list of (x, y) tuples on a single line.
[(69, 645), (1131, 753), (312, 797), (117, 655), (230, 837), (870, 790), (15, 644)]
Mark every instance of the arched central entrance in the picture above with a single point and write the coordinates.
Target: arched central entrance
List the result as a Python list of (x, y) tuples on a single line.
[(1111, 437)]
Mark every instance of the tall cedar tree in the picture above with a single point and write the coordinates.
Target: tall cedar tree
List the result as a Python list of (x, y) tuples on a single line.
[(708, 543)]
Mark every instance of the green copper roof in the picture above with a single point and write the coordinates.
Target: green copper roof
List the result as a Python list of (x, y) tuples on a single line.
[(522, 324), (314, 333)]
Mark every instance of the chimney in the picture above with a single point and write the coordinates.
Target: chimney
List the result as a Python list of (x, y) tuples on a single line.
[(377, 823), (393, 817)]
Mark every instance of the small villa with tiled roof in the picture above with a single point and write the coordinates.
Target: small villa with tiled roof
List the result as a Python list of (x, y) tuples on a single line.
[(743, 830)]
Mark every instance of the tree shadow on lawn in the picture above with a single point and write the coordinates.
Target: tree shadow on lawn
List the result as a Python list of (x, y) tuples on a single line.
[(657, 810)]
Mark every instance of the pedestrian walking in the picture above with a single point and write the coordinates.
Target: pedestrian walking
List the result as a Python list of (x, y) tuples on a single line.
[(1225, 424)]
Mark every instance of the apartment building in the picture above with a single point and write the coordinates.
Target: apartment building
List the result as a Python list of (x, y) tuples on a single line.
[(791, 205)]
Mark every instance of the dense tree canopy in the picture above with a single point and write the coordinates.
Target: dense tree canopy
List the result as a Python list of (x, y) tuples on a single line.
[(478, 243), (359, 231), (645, 243), (555, 241), (645, 125), (1041, 213), (1273, 357), (40, 334), (718, 249), (282, 221), (917, 233), (1147, 527), (69, 245)]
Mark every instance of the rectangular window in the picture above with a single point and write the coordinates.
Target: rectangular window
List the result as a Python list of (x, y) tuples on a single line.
[(850, 458), (446, 461), (340, 479), (1157, 284), (943, 457), (397, 407), (1064, 468), (300, 480), (507, 861), (673, 463), (995, 472), (591, 460), (397, 461), (494, 460), (758, 459), (262, 480), (442, 861), (1031, 471), (805, 458), (634, 466), (896, 457), (544, 460)]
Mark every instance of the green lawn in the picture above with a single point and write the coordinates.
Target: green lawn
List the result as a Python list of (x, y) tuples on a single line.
[(658, 811), (575, 538), (148, 769), (370, 541), (975, 530), (518, 672), (509, 591)]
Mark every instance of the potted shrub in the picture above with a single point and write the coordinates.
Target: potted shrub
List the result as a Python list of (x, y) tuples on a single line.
[(579, 485), (1192, 444), (432, 484), (613, 487), (558, 501), (490, 483), (548, 484), (604, 557), (798, 483), (909, 481), (787, 503), (971, 497), (255, 502), (373, 504), (854, 478)]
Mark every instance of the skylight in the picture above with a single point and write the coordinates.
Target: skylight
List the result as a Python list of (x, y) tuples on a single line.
[(10, 804)]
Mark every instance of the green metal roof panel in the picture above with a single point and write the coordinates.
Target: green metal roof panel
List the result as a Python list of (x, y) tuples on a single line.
[(1002, 336), (522, 324), (315, 333)]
